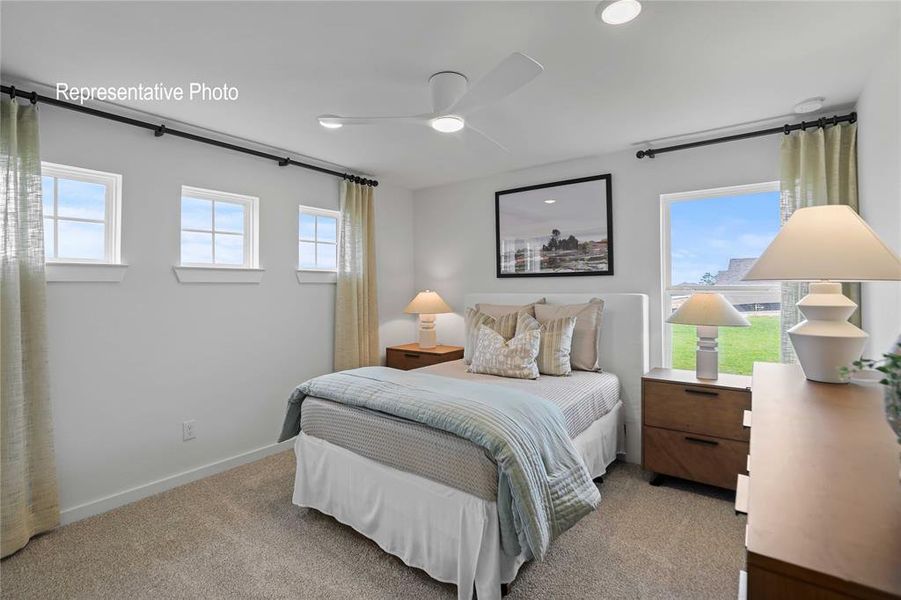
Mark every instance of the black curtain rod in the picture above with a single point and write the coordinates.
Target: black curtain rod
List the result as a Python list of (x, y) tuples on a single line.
[(160, 130), (784, 129)]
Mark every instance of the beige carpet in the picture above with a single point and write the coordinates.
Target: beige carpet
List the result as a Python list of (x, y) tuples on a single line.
[(237, 535)]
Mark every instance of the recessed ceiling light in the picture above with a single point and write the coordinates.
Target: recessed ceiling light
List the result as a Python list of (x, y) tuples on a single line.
[(549, 201), (448, 124), (619, 12), (810, 105), (327, 122)]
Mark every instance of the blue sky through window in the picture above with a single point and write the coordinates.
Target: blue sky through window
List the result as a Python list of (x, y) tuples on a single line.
[(706, 233)]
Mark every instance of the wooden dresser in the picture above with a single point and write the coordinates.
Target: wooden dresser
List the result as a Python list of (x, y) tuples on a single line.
[(411, 356), (823, 496), (692, 428)]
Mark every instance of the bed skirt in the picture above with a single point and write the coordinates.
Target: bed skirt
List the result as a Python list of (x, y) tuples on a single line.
[(450, 534)]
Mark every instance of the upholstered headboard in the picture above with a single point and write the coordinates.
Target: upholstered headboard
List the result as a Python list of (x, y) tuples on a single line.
[(623, 347)]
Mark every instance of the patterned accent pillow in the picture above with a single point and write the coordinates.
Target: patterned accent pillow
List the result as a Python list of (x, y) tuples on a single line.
[(473, 320), (556, 343), (516, 358), (587, 333)]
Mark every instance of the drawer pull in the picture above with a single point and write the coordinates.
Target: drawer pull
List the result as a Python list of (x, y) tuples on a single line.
[(688, 438), (408, 355), (701, 392)]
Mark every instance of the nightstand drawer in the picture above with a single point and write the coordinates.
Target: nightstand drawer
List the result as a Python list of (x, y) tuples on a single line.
[(409, 359), (705, 410), (697, 457)]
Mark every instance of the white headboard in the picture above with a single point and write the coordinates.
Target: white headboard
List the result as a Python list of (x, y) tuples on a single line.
[(623, 348)]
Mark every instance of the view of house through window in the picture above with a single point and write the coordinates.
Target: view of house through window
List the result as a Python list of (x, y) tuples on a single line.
[(711, 238)]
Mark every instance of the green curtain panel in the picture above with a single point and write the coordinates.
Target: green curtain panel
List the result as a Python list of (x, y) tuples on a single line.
[(818, 167), (28, 498), (356, 306)]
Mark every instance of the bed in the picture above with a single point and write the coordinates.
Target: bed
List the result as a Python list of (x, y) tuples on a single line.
[(429, 497)]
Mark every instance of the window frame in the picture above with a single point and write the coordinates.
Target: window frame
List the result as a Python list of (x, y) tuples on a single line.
[(251, 226), (112, 221), (667, 289), (320, 212)]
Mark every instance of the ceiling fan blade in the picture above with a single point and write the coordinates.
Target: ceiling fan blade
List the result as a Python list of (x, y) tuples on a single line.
[(333, 120), (487, 137), (512, 73)]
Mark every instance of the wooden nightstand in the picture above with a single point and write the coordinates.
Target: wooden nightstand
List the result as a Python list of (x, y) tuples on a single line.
[(692, 428), (411, 356)]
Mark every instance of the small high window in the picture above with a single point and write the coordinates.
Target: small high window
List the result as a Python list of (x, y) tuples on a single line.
[(317, 246), (218, 229), (82, 215)]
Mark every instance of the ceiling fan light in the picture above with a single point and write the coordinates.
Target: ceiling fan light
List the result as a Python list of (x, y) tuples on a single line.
[(327, 122), (620, 11), (448, 124)]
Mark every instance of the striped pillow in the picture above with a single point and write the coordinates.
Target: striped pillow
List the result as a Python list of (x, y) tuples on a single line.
[(473, 320), (587, 333), (556, 343), (515, 358)]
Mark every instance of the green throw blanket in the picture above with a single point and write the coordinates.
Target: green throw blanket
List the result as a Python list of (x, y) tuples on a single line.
[(543, 486)]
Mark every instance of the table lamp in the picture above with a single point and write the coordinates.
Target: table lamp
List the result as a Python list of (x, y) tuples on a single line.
[(826, 245), (709, 311), (427, 304)]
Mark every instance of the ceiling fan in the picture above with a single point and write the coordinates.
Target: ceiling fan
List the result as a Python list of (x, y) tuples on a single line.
[(453, 99)]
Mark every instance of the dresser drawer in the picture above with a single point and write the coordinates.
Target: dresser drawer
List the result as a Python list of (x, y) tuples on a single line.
[(691, 456), (408, 359), (709, 411)]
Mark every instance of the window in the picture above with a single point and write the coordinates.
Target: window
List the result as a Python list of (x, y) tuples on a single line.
[(218, 229), (317, 245), (81, 215), (710, 239)]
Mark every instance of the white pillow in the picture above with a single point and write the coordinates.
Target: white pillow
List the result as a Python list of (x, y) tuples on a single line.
[(516, 358)]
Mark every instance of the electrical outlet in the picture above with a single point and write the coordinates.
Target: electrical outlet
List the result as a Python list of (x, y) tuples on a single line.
[(188, 431)]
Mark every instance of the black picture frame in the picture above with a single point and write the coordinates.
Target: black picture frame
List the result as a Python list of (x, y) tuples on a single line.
[(609, 226)]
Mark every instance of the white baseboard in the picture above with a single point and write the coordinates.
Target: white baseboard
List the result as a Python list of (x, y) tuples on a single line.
[(102, 505)]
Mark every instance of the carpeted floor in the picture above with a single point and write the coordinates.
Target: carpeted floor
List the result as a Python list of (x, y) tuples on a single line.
[(237, 535)]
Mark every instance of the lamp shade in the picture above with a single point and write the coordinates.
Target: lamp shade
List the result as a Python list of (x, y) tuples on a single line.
[(427, 302), (826, 243), (710, 309)]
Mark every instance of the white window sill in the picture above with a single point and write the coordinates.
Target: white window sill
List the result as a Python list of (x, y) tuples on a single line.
[(218, 275), (58, 272), (313, 276)]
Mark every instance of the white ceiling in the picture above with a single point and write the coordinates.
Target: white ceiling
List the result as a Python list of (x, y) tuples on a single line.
[(680, 67)]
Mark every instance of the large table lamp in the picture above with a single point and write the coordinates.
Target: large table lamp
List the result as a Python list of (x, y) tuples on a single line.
[(826, 245), (709, 311), (427, 304)]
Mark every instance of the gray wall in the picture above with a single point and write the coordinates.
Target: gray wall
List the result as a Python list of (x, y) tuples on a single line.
[(454, 224), (130, 361), (879, 173)]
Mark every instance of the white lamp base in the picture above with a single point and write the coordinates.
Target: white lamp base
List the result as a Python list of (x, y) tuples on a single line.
[(826, 341), (428, 337), (707, 355)]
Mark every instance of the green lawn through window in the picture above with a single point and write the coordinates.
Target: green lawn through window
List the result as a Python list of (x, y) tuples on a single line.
[(739, 347)]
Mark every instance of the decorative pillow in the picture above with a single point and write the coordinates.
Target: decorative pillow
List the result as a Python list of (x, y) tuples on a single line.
[(516, 358), (556, 343), (473, 319), (586, 334), (499, 310)]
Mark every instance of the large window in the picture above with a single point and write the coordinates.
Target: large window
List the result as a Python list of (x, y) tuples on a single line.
[(81, 214), (218, 229), (317, 239), (710, 239)]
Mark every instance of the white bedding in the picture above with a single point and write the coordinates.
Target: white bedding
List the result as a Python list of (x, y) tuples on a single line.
[(452, 535)]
